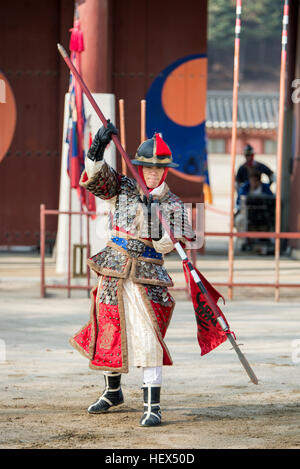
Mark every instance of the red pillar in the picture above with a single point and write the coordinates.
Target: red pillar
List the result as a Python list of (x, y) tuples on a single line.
[(96, 62)]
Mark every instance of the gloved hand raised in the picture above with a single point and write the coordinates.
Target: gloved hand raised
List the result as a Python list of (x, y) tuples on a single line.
[(101, 140)]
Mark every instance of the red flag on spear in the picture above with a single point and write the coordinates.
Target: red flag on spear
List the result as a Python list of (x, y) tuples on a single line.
[(209, 332)]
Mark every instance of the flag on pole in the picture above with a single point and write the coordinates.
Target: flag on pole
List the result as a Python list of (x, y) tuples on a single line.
[(77, 123), (74, 166), (209, 332)]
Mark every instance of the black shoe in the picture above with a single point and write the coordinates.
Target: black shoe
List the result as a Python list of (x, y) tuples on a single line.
[(111, 397), (152, 415)]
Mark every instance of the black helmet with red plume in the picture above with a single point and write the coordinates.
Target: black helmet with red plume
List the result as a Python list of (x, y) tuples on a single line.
[(154, 152)]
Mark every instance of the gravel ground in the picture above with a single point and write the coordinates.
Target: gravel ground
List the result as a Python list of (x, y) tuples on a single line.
[(207, 402)]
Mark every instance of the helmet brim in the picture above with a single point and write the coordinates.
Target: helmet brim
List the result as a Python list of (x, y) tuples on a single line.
[(158, 165)]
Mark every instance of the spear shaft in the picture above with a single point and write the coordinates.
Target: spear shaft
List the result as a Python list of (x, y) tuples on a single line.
[(166, 226)]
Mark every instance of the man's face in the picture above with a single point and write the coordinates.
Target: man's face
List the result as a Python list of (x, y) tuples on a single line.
[(152, 176), (249, 159)]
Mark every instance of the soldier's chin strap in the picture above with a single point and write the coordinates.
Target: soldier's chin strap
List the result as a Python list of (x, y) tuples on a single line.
[(141, 174)]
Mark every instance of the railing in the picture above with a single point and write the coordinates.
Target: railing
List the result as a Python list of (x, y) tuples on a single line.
[(230, 283), (257, 234), (68, 286)]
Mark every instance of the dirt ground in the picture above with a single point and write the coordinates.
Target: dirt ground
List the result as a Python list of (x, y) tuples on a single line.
[(207, 402), (190, 421)]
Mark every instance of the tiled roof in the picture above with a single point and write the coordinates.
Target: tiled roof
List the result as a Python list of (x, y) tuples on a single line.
[(255, 110)]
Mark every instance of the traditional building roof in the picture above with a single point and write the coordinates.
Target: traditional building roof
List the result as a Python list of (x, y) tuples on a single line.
[(256, 110)]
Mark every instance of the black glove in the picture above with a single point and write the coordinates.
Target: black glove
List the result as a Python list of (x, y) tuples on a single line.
[(154, 223), (101, 140)]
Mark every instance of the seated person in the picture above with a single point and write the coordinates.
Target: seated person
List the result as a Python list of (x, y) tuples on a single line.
[(252, 187), (250, 164)]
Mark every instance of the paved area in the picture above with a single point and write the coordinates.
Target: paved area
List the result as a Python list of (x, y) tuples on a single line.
[(207, 402)]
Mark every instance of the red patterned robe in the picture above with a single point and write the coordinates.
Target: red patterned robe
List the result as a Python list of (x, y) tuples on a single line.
[(131, 298)]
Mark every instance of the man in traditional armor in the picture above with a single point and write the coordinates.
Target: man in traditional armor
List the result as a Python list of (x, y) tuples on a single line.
[(131, 306)]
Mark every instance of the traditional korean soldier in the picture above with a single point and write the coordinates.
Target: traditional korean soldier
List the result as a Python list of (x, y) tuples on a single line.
[(131, 306)]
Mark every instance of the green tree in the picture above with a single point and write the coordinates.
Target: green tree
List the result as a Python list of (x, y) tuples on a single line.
[(221, 15), (261, 20)]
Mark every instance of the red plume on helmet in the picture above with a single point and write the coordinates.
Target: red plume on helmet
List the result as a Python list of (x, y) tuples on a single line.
[(154, 152)]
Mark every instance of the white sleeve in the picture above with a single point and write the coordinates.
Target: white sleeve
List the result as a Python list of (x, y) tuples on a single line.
[(92, 167), (164, 245)]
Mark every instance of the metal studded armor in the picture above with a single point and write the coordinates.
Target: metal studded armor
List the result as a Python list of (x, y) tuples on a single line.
[(130, 254)]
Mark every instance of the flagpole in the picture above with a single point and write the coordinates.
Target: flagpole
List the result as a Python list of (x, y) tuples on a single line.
[(234, 138), (122, 133), (284, 41), (76, 46), (164, 223), (88, 272), (143, 120), (70, 207)]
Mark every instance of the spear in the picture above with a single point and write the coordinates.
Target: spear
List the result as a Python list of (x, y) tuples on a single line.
[(187, 264)]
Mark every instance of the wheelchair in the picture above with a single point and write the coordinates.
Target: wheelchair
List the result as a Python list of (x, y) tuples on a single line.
[(258, 212)]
